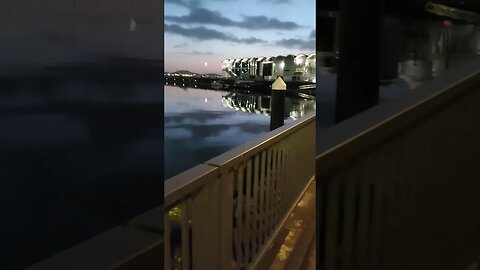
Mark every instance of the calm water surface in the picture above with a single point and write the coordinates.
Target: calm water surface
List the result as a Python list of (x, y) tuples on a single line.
[(201, 124), (79, 155)]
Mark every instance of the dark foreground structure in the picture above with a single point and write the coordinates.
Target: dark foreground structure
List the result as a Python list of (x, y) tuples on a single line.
[(398, 184)]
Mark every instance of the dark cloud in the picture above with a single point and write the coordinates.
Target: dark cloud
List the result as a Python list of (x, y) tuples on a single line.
[(184, 3), (263, 22), (198, 53), (252, 40), (202, 33), (206, 16), (181, 45), (202, 15), (305, 44)]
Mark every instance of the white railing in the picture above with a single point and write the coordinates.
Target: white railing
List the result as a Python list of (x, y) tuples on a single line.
[(224, 213)]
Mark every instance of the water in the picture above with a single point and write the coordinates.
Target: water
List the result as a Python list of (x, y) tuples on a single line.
[(80, 154), (201, 124), (414, 51)]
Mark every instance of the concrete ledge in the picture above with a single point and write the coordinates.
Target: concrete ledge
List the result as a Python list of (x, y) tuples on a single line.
[(150, 221), (118, 248)]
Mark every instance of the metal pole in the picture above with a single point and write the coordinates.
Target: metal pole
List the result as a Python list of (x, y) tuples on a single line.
[(277, 103)]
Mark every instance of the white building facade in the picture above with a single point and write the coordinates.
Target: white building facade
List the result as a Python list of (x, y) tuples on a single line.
[(301, 67)]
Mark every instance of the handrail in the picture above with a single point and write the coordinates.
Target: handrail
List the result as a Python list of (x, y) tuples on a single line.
[(345, 139), (262, 142), (187, 181)]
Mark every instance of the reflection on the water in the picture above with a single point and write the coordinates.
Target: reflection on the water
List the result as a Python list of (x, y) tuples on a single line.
[(201, 124), (295, 108), (414, 51), (430, 48), (81, 107)]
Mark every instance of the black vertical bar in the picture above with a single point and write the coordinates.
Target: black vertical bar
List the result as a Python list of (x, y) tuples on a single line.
[(277, 110), (359, 56)]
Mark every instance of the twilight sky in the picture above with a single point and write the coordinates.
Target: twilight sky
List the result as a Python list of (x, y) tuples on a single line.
[(199, 31)]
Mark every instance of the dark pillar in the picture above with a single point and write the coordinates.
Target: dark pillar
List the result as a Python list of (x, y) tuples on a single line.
[(326, 35), (277, 103), (359, 56)]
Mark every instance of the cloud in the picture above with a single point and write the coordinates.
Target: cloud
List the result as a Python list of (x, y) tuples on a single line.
[(184, 3), (202, 15), (202, 33), (198, 53), (206, 16), (263, 22), (307, 43), (304, 44), (181, 45), (252, 40)]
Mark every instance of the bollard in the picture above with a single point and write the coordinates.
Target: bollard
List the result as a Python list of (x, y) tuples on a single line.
[(277, 103)]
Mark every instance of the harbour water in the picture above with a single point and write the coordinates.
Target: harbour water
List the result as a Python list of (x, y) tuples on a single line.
[(79, 155), (201, 124)]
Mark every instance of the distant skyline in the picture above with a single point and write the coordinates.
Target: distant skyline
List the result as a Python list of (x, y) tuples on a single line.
[(209, 31)]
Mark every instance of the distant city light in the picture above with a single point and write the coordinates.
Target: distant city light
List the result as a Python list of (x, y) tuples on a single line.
[(206, 100)]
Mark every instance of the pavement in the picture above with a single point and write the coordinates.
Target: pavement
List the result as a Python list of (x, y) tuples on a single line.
[(297, 250)]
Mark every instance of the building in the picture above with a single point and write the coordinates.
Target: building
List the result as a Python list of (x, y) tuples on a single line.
[(292, 68)]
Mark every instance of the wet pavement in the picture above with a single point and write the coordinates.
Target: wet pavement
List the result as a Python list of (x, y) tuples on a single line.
[(297, 251)]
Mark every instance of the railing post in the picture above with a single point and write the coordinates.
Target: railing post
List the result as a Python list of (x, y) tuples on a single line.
[(205, 227), (226, 196), (212, 231)]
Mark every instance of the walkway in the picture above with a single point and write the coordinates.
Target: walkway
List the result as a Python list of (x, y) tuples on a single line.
[(295, 247)]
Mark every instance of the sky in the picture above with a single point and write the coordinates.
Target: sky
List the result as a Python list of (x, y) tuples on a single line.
[(208, 31), (55, 31)]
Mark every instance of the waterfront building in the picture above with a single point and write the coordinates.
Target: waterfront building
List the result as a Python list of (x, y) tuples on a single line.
[(252, 65), (259, 68), (292, 68), (299, 73), (289, 67), (311, 67), (278, 66), (244, 68), (267, 65)]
